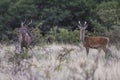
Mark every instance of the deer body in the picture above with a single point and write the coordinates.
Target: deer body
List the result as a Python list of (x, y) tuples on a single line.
[(24, 37), (95, 42), (24, 40)]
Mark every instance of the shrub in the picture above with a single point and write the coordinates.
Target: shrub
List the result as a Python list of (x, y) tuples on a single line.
[(36, 35), (64, 35), (114, 35), (50, 38)]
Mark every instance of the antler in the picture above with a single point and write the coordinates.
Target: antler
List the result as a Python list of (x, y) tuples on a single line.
[(25, 21), (30, 22), (22, 23)]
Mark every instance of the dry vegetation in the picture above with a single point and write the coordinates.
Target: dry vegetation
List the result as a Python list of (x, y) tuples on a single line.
[(60, 62)]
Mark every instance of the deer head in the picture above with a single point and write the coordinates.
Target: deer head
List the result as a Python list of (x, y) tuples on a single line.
[(82, 30)]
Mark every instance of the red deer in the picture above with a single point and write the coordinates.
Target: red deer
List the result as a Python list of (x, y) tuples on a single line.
[(24, 37), (96, 42)]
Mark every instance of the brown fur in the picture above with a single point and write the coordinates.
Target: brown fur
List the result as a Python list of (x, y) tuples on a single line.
[(96, 42), (24, 40), (24, 37)]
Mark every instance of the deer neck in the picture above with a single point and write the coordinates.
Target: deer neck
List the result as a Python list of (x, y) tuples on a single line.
[(82, 36)]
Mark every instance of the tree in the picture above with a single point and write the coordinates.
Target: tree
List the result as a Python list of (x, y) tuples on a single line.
[(107, 13)]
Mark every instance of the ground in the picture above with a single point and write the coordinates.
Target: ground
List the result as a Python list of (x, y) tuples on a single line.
[(60, 62)]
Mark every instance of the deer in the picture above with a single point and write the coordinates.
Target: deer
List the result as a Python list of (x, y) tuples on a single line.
[(24, 36), (94, 42)]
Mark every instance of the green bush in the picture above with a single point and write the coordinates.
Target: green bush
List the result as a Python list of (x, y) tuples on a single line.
[(98, 29), (65, 36), (49, 38), (36, 35), (114, 35)]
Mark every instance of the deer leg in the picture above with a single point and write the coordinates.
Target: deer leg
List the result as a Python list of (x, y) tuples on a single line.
[(22, 49), (87, 50), (99, 50), (107, 52)]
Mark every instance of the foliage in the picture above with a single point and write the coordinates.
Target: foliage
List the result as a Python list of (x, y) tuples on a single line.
[(107, 12), (98, 28), (64, 35), (36, 35), (114, 35), (101, 16), (106, 16)]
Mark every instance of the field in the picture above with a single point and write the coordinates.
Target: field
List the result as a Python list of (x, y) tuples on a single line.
[(60, 62)]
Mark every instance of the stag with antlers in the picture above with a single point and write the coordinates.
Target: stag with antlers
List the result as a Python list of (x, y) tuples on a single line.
[(96, 42), (24, 36)]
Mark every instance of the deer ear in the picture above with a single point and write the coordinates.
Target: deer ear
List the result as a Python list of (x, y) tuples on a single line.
[(22, 24), (79, 24), (85, 25)]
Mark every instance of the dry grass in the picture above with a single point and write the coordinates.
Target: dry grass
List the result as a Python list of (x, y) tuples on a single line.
[(60, 62)]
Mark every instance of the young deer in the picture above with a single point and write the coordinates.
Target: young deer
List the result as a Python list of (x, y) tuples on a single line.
[(24, 37), (96, 42)]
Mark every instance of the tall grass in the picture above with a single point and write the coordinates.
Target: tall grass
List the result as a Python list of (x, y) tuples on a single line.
[(60, 62)]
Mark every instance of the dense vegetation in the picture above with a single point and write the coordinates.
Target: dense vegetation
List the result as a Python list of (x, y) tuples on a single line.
[(56, 20)]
